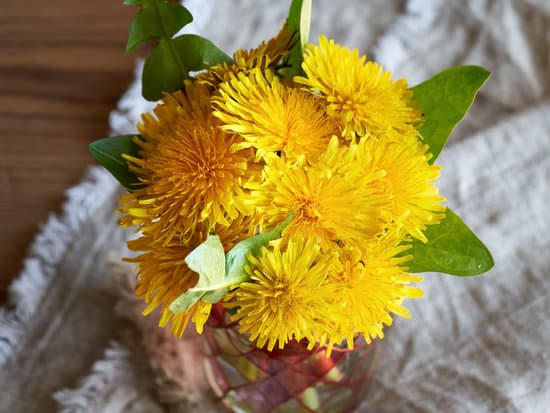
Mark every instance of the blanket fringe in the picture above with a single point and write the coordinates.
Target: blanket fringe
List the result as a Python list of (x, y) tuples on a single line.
[(47, 250), (113, 386)]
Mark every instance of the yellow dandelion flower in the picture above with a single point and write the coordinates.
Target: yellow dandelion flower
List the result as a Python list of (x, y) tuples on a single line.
[(272, 117), (359, 93), (286, 297), (370, 287), (162, 277), (198, 314), (189, 172), (163, 274), (331, 198), (408, 180), (265, 56)]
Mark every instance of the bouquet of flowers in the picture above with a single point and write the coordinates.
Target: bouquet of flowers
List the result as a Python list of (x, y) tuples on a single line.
[(288, 192)]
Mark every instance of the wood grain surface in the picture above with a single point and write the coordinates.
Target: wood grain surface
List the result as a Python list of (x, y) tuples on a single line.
[(62, 69)]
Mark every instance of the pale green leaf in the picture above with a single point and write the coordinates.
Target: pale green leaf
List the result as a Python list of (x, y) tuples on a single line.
[(108, 153), (452, 248), (216, 271), (208, 260), (185, 301), (305, 22), (444, 100), (214, 296)]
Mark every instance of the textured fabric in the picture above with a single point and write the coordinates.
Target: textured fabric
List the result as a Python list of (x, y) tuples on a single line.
[(74, 340), (481, 344)]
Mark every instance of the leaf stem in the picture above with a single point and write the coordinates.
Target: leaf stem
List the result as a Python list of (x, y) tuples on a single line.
[(218, 286)]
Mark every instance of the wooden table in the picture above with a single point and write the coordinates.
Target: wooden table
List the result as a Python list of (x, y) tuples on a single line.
[(62, 69)]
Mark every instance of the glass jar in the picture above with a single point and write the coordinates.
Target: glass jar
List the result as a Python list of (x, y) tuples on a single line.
[(294, 379)]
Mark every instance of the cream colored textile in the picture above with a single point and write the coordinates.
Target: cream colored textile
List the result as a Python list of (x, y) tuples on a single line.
[(74, 341)]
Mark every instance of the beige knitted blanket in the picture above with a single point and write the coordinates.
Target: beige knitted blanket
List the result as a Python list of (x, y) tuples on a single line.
[(73, 339)]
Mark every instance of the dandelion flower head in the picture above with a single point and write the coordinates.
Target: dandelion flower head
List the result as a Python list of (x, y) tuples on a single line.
[(244, 147), (359, 93), (287, 295), (189, 172)]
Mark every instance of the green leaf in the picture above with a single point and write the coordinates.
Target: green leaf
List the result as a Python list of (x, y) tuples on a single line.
[(216, 271), (133, 2), (294, 14), (208, 260), (444, 100), (237, 257), (452, 248), (299, 17), (198, 53), (162, 72), (157, 19), (108, 153), (185, 301), (168, 64), (214, 296)]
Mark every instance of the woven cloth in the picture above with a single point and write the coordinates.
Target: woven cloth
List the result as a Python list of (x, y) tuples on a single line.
[(72, 338)]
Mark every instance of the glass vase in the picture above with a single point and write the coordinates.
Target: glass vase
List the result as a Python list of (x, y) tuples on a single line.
[(247, 379)]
